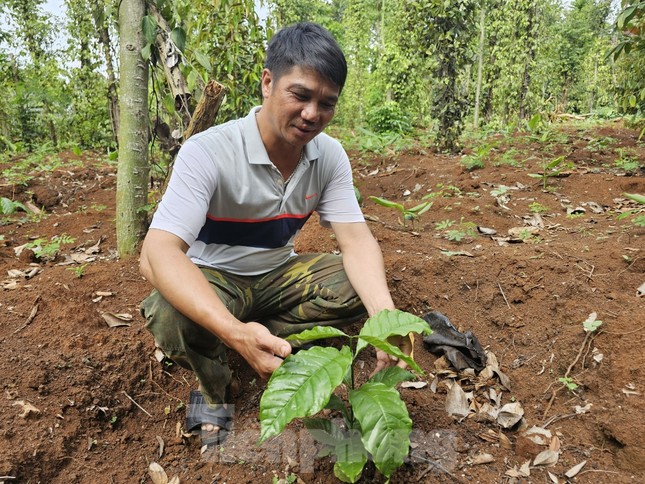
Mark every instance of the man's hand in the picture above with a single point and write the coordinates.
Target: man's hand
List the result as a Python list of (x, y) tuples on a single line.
[(383, 360), (263, 351)]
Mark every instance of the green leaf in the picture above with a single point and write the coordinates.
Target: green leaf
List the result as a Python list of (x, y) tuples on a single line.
[(178, 36), (390, 322), (335, 403), (387, 203), (351, 457), (625, 16), (145, 52), (534, 121), (318, 332), (553, 163), (636, 197), (632, 101), (591, 324), (301, 387), (385, 423), (203, 60), (324, 431), (149, 26), (390, 349), (392, 376)]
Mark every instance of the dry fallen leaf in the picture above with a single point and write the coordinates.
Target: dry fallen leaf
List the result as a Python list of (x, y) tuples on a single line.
[(575, 469), (483, 459), (546, 458), (115, 320), (161, 446), (510, 414), (414, 384), (157, 474), (27, 409), (538, 435), (553, 477), (555, 444), (579, 410), (525, 469), (504, 442), (456, 401)]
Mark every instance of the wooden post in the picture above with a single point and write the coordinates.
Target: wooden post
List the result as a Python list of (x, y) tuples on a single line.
[(206, 110)]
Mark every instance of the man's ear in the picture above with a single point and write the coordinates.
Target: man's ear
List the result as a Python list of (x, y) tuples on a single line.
[(266, 83)]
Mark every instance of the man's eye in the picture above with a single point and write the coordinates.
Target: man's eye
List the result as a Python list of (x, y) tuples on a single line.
[(300, 97)]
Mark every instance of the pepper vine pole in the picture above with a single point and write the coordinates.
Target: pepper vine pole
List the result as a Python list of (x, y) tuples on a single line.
[(132, 176)]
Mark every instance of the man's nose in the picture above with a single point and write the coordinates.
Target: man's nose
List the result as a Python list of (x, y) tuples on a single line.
[(310, 112)]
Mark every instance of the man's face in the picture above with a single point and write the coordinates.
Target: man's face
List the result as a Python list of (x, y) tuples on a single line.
[(297, 107)]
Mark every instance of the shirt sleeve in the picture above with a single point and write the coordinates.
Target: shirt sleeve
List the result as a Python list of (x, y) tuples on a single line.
[(183, 207), (338, 201)]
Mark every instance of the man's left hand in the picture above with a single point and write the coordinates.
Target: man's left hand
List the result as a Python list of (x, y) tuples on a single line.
[(404, 343)]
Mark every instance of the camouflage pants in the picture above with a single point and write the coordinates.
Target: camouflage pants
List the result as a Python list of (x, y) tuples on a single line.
[(306, 291)]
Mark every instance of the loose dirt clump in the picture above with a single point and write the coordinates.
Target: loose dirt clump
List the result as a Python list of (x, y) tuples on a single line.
[(83, 401)]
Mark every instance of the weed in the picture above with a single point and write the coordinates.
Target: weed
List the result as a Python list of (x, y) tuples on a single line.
[(444, 224), (509, 157), (550, 169), (597, 144), (459, 232), (638, 220), (471, 163), (537, 207), (376, 420), (8, 206), (476, 159), (568, 382), (79, 271), (626, 162), (406, 213), (44, 249), (385, 143)]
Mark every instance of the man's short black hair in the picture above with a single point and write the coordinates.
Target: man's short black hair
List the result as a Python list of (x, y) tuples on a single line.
[(306, 45)]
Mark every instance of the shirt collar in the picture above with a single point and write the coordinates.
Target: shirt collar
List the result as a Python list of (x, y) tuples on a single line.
[(257, 153)]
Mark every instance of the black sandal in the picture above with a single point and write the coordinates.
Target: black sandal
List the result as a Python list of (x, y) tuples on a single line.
[(198, 412)]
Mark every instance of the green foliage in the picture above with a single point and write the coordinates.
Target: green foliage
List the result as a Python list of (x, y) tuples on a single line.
[(537, 207), (626, 162), (79, 271), (551, 169), (477, 158), (448, 27), (8, 206), (376, 419), (639, 220), (48, 249), (569, 383), (412, 213), (458, 232), (388, 118)]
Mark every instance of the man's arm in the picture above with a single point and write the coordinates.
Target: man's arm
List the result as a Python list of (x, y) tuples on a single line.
[(363, 263), (166, 266)]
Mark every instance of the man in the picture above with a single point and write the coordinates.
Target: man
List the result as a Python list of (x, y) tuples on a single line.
[(220, 247)]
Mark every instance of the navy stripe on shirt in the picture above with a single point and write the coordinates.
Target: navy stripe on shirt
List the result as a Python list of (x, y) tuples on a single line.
[(266, 234)]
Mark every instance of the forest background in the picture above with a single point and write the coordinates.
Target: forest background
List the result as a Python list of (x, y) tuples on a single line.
[(417, 69)]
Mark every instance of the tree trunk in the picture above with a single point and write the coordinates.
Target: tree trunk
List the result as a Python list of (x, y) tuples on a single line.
[(103, 34), (480, 65), (132, 176)]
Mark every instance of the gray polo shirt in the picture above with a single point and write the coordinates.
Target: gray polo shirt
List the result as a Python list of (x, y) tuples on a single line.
[(230, 204)]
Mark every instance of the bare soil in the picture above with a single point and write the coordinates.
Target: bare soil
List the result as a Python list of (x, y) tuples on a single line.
[(85, 402)]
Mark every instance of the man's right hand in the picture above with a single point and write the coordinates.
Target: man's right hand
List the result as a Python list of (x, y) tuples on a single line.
[(262, 350)]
